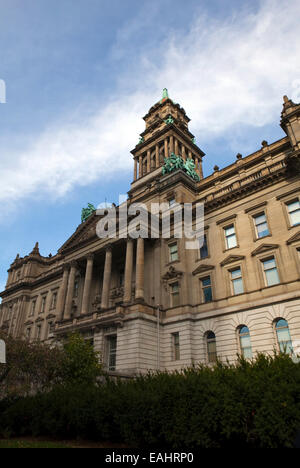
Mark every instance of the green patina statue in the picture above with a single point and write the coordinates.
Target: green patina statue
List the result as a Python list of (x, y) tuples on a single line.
[(169, 120), (176, 162), (141, 140), (87, 212)]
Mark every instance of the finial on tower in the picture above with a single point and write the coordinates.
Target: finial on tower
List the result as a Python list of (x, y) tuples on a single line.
[(165, 95), (35, 250)]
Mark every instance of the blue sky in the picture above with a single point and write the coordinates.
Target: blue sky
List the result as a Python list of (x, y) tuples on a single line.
[(81, 74)]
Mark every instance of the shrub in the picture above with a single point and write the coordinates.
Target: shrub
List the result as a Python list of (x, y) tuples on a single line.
[(250, 404)]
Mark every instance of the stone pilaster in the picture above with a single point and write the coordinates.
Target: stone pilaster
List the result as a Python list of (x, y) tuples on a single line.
[(128, 271), (70, 292), (62, 293), (87, 284), (139, 283), (106, 278)]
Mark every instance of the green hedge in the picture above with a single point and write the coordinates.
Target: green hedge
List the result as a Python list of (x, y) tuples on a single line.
[(250, 404)]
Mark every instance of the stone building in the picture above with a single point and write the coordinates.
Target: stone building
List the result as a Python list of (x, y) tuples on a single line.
[(153, 304)]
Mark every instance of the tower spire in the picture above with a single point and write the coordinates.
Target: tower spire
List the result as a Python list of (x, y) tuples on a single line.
[(165, 95)]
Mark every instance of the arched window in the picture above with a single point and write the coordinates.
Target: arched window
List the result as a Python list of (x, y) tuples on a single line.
[(283, 336), (211, 346), (245, 342)]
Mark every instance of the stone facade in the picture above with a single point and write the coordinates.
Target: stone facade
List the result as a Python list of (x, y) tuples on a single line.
[(153, 304)]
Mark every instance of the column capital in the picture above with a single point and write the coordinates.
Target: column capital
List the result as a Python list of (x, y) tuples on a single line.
[(90, 256)]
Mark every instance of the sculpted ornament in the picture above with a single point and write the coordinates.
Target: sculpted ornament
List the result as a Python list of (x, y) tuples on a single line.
[(87, 212), (176, 162)]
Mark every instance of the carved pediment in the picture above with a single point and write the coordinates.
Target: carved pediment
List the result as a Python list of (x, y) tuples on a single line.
[(232, 259), (294, 238), (264, 248), (172, 273), (202, 269)]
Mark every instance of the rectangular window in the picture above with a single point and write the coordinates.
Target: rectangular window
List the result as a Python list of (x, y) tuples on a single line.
[(294, 212), (174, 295), (76, 288), (204, 248), (28, 333), (173, 252), (111, 352), (206, 289), (172, 202), (50, 326), (43, 305), (32, 311), (237, 281), (270, 271), (230, 237), (176, 346), (261, 225), (54, 300), (38, 332)]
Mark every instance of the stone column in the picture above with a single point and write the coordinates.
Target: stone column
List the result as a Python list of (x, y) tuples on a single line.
[(128, 271), (87, 284), (135, 170), (176, 147), (106, 278), (140, 166), (62, 293), (190, 155), (70, 292), (166, 148), (157, 156), (197, 165), (148, 161), (139, 282), (171, 144), (183, 152)]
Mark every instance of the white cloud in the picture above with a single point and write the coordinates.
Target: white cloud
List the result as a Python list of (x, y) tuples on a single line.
[(223, 73)]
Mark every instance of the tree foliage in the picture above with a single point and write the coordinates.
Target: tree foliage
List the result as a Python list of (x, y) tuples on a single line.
[(33, 366)]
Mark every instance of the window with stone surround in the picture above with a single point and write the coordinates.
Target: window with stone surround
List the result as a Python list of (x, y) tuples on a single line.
[(111, 352), (270, 271), (203, 251), (174, 292), (293, 209), (54, 300), (283, 336), (175, 346), (43, 305), (173, 252), (206, 289), (211, 346), (244, 341), (230, 237), (237, 286), (32, 309), (261, 225)]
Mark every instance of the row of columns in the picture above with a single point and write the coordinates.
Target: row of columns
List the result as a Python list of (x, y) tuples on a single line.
[(66, 291), (171, 145)]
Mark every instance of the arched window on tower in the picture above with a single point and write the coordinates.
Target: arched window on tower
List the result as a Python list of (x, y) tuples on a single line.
[(245, 341), (211, 346), (283, 336)]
